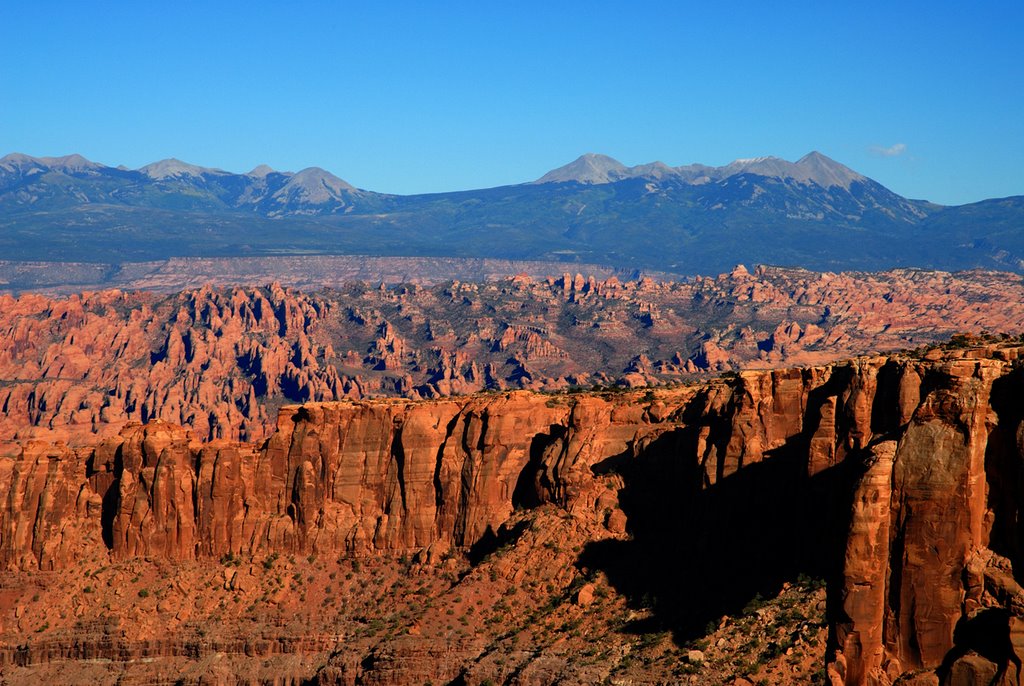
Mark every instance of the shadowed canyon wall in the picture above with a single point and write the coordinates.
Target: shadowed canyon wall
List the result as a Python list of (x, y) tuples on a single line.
[(896, 479)]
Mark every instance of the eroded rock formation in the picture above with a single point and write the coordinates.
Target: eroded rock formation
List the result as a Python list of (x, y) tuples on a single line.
[(221, 361), (897, 479)]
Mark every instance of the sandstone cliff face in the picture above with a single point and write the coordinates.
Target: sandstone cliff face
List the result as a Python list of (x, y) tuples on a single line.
[(917, 551), (48, 510), (354, 478), (898, 479)]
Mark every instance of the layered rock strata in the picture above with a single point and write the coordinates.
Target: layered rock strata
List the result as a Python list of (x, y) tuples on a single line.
[(897, 479)]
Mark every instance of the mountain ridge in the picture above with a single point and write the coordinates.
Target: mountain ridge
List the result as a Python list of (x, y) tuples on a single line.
[(587, 168), (693, 219), (593, 168)]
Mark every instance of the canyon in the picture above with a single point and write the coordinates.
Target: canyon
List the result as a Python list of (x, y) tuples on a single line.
[(641, 536), (221, 360), (555, 345), (771, 475)]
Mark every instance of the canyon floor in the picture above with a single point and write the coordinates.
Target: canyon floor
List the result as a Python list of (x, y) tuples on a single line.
[(525, 613)]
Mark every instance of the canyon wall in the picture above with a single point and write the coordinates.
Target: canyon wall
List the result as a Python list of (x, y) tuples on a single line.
[(897, 479)]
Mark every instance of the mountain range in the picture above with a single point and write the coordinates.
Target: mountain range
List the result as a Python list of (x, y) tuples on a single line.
[(814, 213)]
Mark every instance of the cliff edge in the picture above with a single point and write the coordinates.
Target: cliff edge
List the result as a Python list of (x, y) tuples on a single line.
[(895, 479)]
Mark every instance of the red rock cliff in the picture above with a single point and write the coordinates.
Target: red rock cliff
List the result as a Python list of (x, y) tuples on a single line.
[(896, 478)]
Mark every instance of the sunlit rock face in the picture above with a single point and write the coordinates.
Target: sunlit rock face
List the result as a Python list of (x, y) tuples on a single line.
[(896, 479)]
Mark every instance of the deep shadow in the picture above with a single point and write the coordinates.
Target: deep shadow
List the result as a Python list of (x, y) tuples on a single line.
[(398, 456), (492, 541), (701, 551), (1004, 471), (987, 634), (103, 479), (885, 409), (158, 356), (534, 485), (292, 389)]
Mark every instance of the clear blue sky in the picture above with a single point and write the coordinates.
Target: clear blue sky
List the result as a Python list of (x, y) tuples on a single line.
[(925, 97)]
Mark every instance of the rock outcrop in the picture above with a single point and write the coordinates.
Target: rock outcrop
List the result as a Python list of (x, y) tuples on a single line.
[(897, 479), (221, 361)]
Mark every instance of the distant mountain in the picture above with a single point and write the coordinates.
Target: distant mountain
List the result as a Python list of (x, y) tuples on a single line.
[(22, 166), (46, 183), (176, 169), (814, 213), (811, 168), (310, 191), (590, 168)]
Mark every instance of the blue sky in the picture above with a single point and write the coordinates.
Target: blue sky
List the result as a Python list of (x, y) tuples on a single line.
[(927, 98)]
